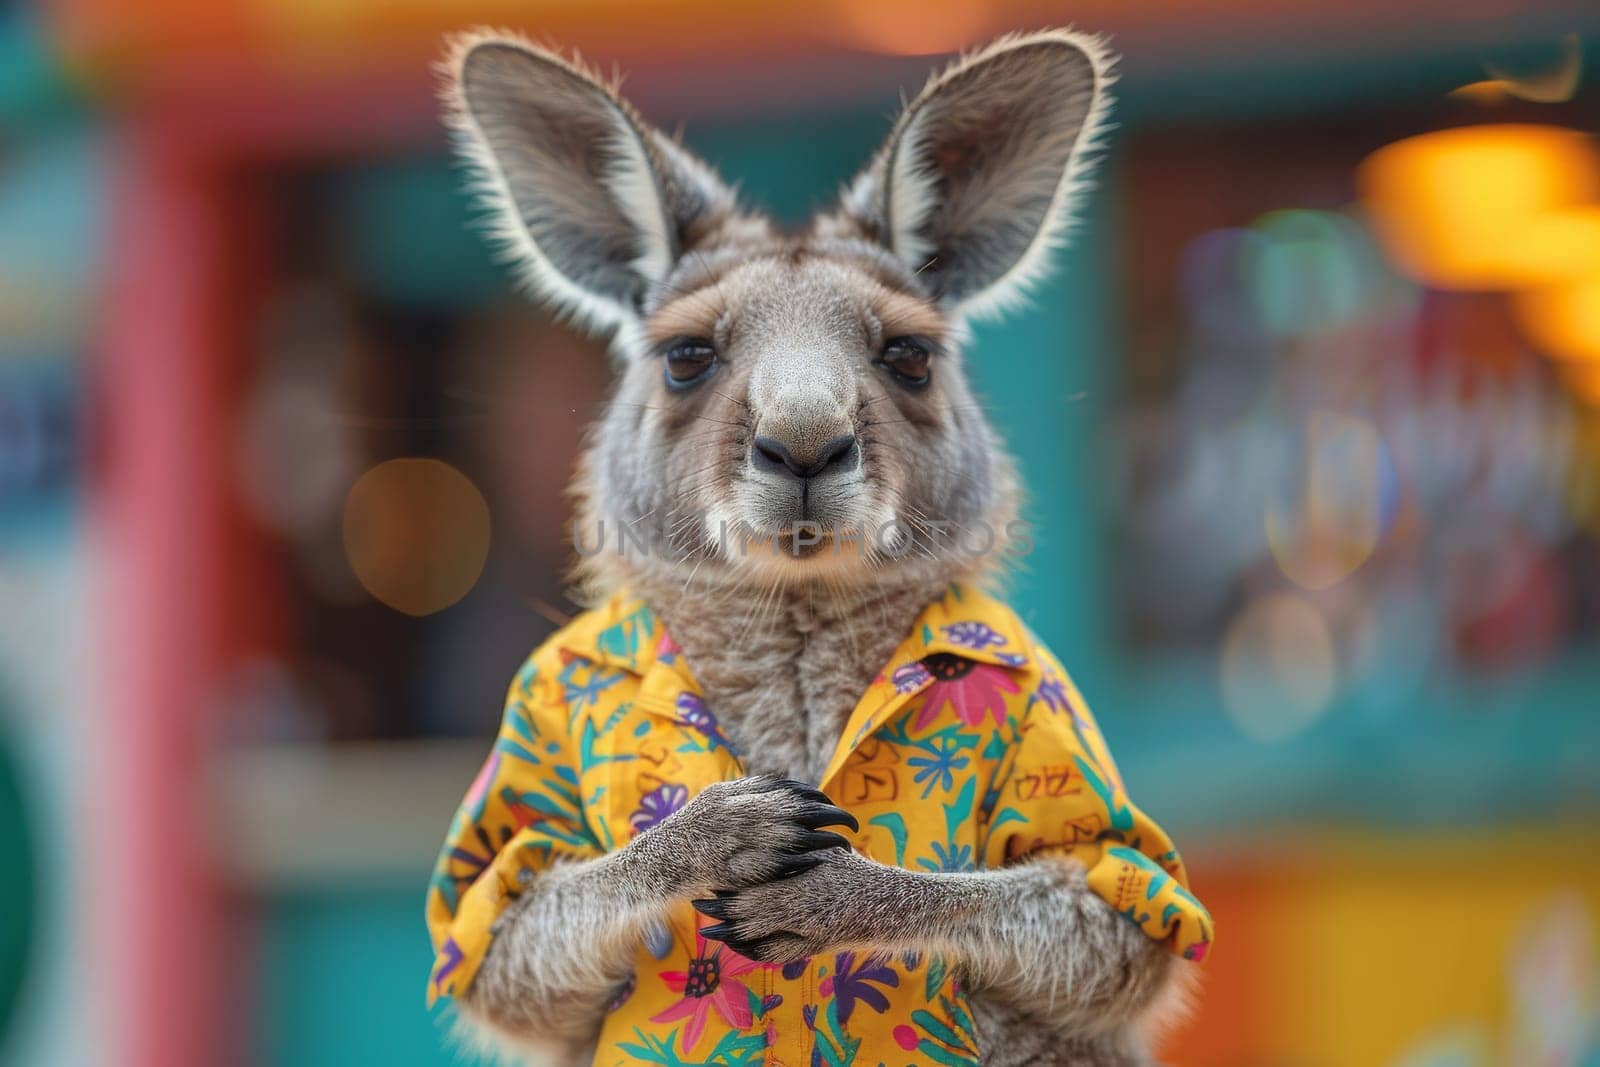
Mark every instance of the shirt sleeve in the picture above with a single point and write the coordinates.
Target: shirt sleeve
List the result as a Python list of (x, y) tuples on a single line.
[(522, 813), (1062, 793)]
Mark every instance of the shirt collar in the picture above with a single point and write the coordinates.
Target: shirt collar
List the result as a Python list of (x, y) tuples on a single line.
[(624, 634), (968, 623), (965, 622)]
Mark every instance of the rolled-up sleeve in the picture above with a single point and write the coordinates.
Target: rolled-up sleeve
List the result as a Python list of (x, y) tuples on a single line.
[(1062, 793), (523, 812)]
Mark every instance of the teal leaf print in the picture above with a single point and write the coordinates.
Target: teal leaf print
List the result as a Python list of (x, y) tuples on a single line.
[(999, 819), (837, 1048), (996, 747), (622, 638), (959, 810), (1121, 816), (896, 826), (739, 1050), (961, 1019), (616, 716), (526, 677), (954, 858), (943, 1044), (527, 736), (588, 758), (1159, 878), (1005, 815), (651, 1049), (935, 980), (581, 693)]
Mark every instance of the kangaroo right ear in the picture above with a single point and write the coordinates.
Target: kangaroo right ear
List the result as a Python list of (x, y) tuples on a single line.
[(594, 205), (978, 180)]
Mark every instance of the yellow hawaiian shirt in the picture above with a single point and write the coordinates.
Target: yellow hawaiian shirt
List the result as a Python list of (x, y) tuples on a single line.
[(971, 749)]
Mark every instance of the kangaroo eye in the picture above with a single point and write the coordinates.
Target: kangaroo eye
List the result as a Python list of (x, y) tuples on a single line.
[(907, 359), (689, 362)]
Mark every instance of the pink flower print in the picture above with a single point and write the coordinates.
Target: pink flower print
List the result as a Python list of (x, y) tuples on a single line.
[(975, 690), (710, 984)]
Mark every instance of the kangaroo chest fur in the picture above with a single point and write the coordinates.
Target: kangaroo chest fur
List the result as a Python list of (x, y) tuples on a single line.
[(783, 672)]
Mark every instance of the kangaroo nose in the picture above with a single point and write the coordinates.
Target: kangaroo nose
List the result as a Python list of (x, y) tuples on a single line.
[(769, 453)]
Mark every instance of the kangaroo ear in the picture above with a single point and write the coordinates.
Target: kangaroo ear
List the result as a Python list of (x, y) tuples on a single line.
[(979, 178), (593, 205)]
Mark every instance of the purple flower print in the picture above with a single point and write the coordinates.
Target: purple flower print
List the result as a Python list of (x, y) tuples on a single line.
[(694, 712), (973, 635), (910, 677), (1052, 692), (450, 957), (850, 984), (656, 805)]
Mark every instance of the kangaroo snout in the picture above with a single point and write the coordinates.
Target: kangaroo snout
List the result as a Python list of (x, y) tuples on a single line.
[(772, 454)]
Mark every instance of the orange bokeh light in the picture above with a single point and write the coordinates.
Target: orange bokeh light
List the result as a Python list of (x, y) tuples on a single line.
[(1582, 381), (416, 534), (912, 27), (1564, 319), (1487, 207)]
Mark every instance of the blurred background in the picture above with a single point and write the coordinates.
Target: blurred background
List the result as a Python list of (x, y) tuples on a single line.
[(1310, 416)]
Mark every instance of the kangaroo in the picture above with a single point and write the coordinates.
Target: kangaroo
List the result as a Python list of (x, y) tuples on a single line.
[(800, 388)]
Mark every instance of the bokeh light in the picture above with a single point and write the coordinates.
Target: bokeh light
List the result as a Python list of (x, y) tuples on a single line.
[(1279, 667), (1467, 208), (1330, 519), (1582, 380), (911, 27), (1564, 319), (416, 532), (1308, 275)]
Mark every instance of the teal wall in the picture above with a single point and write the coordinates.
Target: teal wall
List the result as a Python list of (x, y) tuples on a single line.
[(341, 980)]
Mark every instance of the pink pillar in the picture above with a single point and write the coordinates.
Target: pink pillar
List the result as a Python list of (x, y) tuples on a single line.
[(184, 583), (157, 917)]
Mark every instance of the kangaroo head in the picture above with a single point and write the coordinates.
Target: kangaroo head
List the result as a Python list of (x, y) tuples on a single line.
[(792, 404)]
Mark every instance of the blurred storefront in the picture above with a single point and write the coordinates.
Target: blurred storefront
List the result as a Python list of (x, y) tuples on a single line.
[(1318, 533)]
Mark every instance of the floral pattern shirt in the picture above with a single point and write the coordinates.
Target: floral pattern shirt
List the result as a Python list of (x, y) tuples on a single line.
[(971, 749)]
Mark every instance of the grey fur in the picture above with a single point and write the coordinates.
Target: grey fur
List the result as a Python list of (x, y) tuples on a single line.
[(783, 646), (971, 174)]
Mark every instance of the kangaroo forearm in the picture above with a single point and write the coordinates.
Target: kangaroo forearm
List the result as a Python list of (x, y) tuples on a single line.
[(1039, 938), (1033, 935), (560, 951)]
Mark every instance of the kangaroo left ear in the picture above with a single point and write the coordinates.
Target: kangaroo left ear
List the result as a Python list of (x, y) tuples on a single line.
[(595, 206), (979, 178)]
